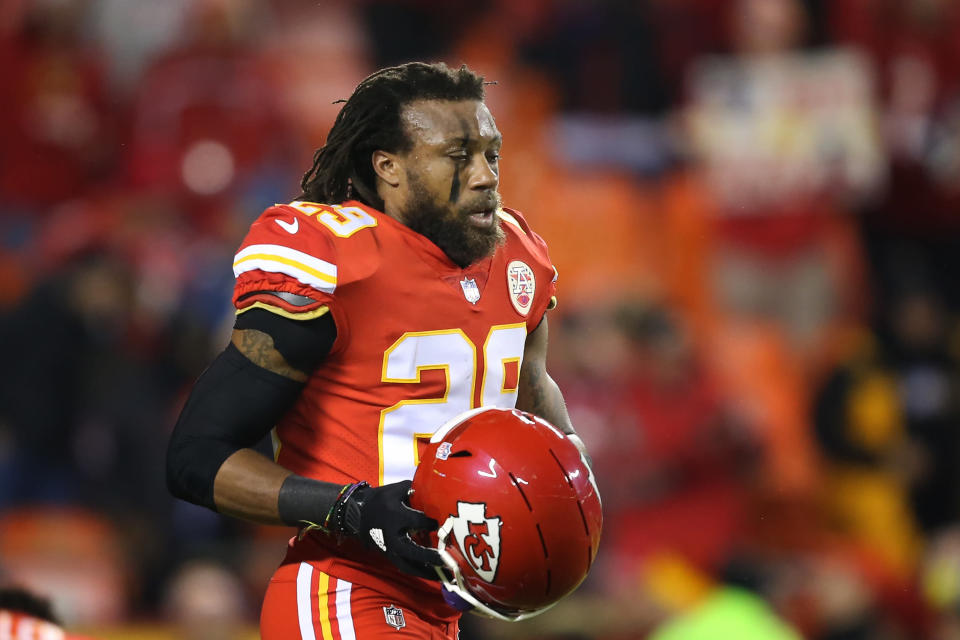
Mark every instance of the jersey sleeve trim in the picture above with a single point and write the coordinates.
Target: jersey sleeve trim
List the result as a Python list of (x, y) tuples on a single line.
[(273, 258), (552, 304), (506, 217), (302, 315), (276, 443)]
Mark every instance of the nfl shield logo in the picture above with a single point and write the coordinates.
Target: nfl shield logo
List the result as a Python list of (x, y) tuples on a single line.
[(470, 290), (394, 616)]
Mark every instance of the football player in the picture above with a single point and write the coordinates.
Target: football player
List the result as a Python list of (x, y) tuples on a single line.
[(395, 294), (26, 616)]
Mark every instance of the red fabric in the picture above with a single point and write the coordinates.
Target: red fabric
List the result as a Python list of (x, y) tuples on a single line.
[(17, 626), (280, 618)]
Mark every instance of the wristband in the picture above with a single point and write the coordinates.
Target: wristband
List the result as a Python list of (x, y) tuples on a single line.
[(305, 500)]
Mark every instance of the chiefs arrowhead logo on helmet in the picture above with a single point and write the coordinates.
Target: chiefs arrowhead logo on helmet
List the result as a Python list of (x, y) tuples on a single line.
[(478, 538), (519, 511)]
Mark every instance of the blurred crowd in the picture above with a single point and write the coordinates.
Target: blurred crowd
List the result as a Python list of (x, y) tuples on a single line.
[(754, 207)]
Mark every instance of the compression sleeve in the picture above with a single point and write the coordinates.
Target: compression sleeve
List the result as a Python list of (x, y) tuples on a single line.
[(232, 406), (235, 403)]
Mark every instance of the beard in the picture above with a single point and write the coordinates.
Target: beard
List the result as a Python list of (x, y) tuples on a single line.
[(448, 226)]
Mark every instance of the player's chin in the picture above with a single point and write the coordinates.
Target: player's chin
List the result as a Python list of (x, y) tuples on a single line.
[(476, 243), (486, 234)]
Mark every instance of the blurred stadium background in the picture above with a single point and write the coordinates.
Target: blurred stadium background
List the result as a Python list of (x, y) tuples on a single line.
[(754, 206)]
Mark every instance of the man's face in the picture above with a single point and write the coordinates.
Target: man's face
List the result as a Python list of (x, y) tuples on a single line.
[(452, 173)]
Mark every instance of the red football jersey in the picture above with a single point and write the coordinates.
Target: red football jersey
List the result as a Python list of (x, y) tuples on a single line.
[(18, 626), (419, 340)]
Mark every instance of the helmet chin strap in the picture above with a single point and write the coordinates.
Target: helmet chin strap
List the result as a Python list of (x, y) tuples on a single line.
[(457, 585)]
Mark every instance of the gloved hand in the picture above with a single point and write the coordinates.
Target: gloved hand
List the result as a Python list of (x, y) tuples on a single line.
[(381, 518)]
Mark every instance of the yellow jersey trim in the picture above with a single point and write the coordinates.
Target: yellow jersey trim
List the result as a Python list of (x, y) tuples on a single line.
[(303, 315), (506, 217)]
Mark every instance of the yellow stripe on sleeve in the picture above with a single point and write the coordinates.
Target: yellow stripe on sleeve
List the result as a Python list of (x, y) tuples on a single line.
[(304, 315), (509, 218), (287, 261), (275, 258), (277, 444)]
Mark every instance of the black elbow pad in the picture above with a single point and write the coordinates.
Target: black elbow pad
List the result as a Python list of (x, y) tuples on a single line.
[(232, 406)]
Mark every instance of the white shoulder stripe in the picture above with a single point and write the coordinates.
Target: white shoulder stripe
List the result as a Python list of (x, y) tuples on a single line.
[(272, 258), (272, 266), (292, 254)]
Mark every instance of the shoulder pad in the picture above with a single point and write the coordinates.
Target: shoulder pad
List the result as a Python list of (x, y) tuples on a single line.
[(532, 249), (306, 249), (515, 223), (341, 220), (282, 242)]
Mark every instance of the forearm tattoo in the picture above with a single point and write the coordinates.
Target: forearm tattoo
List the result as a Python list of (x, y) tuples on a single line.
[(258, 347)]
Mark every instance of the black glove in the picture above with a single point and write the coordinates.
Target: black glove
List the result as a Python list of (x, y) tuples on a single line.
[(381, 518)]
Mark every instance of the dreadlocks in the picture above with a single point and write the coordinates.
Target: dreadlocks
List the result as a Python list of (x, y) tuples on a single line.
[(370, 121)]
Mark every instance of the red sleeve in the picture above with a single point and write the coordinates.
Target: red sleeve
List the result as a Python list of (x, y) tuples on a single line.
[(285, 251)]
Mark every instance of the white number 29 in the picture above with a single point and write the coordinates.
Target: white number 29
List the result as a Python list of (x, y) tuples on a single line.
[(451, 351)]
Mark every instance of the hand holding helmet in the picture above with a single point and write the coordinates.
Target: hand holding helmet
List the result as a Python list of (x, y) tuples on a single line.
[(381, 519)]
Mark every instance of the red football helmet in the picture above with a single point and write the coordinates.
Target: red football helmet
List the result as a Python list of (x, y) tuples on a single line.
[(518, 508)]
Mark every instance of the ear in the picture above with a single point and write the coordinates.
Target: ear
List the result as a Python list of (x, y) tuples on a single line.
[(387, 167)]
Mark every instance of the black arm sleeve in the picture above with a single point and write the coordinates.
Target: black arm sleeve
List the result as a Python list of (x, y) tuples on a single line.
[(232, 406), (235, 403), (302, 343)]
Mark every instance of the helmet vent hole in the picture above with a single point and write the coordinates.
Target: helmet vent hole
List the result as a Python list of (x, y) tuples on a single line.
[(520, 489), (460, 454), (589, 556), (543, 542)]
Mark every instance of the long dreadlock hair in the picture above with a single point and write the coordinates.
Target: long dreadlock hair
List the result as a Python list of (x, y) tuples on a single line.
[(370, 121)]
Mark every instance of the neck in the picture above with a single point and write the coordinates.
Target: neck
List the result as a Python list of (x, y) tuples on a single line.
[(390, 207)]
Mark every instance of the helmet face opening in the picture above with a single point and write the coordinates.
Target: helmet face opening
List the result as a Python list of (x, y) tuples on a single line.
[(520, 512)]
